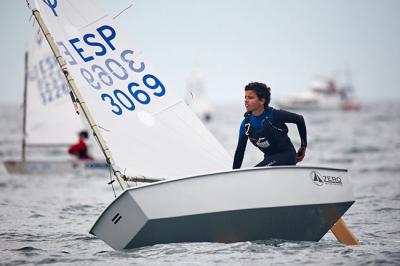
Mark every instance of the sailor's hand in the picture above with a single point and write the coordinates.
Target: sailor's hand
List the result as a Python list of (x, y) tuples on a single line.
[(301, 153)]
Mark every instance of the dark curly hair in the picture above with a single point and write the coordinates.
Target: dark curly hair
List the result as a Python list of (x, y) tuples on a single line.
[(84, 134), (262, 91)]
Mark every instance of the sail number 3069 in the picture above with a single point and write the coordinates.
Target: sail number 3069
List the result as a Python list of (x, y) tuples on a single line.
[(120, 99)]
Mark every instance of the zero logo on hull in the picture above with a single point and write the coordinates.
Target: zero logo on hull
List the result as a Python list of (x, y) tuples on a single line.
[(319, 179), (316, 178)]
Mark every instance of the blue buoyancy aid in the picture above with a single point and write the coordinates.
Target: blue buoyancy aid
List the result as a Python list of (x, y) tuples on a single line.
[(271, 138)]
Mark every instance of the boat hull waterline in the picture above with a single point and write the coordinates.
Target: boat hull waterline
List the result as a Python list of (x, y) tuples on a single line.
[(290, 203)]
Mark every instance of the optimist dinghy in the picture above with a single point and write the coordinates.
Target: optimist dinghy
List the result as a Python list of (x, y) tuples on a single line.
[(152, 135), (49, 122), (291, 203)]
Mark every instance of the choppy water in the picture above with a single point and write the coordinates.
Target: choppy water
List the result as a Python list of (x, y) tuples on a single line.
[(45, 220)]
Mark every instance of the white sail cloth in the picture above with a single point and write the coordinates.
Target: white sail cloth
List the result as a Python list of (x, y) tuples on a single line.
[(196, 95), (50, 116), (148, 128)]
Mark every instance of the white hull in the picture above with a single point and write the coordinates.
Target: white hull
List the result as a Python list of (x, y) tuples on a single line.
[(54, 167), (319, 106), (292, 203)]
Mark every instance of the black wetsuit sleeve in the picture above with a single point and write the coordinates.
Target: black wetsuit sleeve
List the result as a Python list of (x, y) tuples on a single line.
[(288, 117), (239, 153)]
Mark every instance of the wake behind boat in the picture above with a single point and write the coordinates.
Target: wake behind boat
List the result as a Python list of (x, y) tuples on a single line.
[(151, 132)]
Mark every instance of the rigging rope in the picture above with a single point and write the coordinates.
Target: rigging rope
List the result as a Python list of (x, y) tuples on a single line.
[(122, 11), (112, 180)]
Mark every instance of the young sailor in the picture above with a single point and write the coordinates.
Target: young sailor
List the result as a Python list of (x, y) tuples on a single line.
[(265, 127), (80, 149)]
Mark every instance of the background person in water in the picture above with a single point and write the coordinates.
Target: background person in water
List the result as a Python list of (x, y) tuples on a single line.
[(265, 127)]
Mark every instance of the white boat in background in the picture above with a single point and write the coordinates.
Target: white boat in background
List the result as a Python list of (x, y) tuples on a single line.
[(151, 132), (49, 120), (48, 167), (323, 94), (196, 97)]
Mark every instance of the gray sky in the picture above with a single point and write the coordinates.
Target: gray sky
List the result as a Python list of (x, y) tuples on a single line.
[(283, 43)]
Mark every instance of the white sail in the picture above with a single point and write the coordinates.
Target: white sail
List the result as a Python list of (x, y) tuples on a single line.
[(148, 128), (196, 96), (50, 117)]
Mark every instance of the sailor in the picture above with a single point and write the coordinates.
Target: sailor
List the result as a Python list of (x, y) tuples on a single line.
[(265, 127), (80, 149)]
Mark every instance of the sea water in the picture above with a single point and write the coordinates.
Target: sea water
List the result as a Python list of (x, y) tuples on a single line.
[(46, 219)]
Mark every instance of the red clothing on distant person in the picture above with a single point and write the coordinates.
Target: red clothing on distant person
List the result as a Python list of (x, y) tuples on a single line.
[(80, 150)]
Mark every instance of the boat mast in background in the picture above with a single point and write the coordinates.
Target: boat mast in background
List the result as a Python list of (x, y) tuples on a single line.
[(23, 153), (78, 97), (46, 103)]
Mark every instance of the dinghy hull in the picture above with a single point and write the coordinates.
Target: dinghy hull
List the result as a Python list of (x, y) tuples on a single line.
[(290, 203), (53, 167)]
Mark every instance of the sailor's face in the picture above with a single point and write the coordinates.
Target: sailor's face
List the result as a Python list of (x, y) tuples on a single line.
[(252, 102)]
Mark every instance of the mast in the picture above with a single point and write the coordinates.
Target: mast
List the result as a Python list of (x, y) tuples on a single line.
[(348, 78), (74, 89), (24, 109)]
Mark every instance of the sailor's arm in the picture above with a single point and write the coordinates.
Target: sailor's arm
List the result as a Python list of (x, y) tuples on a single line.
[(240, 149), (289, 117), (301, 126)]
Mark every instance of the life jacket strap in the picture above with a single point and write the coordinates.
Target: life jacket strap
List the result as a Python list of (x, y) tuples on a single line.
[(247, 124), (265, 122)]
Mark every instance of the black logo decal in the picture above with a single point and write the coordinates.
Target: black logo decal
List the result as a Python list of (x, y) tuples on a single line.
[(316, 178), (116, 218), (319, 179)]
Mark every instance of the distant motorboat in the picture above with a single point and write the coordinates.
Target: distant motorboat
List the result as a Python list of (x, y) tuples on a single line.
[(323, 94)]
